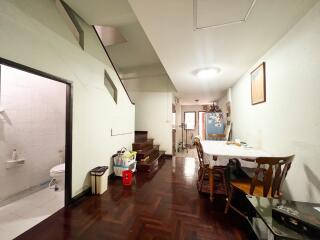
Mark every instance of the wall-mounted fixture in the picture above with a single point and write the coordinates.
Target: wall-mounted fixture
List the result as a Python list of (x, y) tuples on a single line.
[(119, 134), (15, 163)]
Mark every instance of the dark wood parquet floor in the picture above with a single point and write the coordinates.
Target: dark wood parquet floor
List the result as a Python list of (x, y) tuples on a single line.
[(165, 206)]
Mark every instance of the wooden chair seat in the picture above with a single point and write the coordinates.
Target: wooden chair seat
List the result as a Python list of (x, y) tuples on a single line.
[(244, 185)]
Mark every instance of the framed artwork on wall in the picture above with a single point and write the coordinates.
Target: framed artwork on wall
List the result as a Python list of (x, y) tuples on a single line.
[(258, 84)]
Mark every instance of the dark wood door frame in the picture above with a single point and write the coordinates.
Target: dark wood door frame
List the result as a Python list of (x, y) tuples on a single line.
[(68, 137)]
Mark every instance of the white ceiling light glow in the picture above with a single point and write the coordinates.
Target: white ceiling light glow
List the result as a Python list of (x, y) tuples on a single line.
[(207, 72)]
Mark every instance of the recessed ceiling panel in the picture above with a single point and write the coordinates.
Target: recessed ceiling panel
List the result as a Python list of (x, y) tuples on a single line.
[(214, 13)]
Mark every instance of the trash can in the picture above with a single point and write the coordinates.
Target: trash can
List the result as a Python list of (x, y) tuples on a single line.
[(127, 177), (99, 180)]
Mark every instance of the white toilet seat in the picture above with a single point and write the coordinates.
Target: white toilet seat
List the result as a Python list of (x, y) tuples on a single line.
[(57, 170)]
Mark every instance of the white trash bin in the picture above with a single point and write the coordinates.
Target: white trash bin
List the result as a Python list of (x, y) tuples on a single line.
[(99, 180)]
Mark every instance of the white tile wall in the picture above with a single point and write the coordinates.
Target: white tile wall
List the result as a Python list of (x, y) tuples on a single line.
[(34, 124)]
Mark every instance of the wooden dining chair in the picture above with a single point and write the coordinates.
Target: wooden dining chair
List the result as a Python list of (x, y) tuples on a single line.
[(204, 172), (266, 182), (203, 168)]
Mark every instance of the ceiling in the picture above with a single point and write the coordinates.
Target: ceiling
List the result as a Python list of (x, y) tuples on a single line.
[(138, 51), (183, 39), (132, 53), (225, 12), (234, 48), (104, 12)]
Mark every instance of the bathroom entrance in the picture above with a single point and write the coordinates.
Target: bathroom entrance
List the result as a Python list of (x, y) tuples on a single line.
[(35, 147)]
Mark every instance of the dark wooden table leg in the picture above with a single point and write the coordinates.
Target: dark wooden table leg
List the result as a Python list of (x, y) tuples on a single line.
[(211, 181)]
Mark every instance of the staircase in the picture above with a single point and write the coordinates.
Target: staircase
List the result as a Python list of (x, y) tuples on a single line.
[(148, 155)]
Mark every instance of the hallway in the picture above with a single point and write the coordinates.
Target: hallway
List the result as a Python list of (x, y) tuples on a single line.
[(166, 206)]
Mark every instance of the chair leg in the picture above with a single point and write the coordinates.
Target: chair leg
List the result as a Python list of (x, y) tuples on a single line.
[(201, 180), (231, 206), (228, 202), (201, 175), (224, 183), (212, 184)]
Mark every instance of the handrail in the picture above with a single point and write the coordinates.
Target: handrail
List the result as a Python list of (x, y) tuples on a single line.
[(119, 134), (105, 50)]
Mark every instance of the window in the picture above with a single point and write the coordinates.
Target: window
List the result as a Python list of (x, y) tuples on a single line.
[(72, 21), (190, 120), (110, 86)]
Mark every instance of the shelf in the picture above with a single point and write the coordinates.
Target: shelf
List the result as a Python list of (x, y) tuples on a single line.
[(15, 163)]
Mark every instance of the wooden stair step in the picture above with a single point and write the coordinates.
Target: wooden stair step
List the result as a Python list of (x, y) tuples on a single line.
[(142, 145), (148, 166), (140, 136), (149, 152)]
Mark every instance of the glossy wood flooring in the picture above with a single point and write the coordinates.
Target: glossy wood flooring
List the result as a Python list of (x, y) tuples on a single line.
[(166, 206)]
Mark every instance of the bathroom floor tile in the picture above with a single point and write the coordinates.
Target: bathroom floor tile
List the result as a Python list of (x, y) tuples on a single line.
[(21, 215)]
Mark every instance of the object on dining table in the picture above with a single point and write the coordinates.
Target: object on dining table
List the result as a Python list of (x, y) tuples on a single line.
[(233, 143)]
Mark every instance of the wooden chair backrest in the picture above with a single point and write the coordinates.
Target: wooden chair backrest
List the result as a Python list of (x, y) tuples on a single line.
[(274, 170), (199, 151)]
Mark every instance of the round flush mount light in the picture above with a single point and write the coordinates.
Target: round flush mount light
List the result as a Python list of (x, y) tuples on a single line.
[(207, 72)]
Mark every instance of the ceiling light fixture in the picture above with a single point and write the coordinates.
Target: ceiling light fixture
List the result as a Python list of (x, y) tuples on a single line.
[(207, 72)]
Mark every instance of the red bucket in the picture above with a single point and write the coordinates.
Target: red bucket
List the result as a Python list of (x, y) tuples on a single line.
[(127, 177)]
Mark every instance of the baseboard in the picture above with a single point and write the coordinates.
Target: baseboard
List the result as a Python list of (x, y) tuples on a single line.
[(81, 195), (111, 176)]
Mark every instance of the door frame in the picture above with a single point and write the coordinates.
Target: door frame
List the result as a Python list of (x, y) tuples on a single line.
[(68, 120)]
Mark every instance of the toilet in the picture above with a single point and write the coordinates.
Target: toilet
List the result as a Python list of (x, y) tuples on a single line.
[(57, 174)]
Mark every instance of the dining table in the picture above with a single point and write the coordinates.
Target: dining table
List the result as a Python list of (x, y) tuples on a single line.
[(218, 153)]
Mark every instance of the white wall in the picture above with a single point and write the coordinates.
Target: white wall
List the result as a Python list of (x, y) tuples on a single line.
[(152, 92), (154, 114), (289, 121), (222, 103), (33, 33), (33, 123)]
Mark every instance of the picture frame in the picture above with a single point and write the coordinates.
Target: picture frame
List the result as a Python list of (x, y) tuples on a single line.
[(258, 84)]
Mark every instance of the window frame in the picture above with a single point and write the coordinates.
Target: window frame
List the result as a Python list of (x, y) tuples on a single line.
[(195, 119), (199, 130)]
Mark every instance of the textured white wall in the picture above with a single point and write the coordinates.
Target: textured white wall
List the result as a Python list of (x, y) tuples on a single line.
[(289, 122), (222, 103), (154, 114), (38, 37), (34, 124)]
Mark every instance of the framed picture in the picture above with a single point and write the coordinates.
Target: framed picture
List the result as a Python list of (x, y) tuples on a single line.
[(258, 84)]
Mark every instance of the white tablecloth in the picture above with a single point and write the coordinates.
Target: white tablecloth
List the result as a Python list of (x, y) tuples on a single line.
[(224, 152)]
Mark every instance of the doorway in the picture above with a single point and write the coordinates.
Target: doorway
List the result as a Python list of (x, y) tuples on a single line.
[(35, 142)]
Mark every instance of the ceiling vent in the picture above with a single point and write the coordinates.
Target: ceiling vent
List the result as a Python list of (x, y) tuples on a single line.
[(218, 13)]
